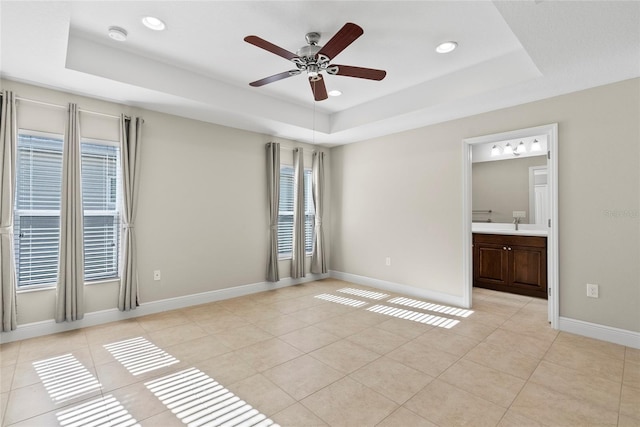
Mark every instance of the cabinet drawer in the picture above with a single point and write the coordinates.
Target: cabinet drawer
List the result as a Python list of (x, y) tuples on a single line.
[(506, 239)]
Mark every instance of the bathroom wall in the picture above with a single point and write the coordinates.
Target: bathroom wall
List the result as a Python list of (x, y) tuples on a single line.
[(502, 186)]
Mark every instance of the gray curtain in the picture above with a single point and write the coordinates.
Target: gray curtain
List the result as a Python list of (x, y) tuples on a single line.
[(297, 253), (318, 260), (70, 290), (130, 140), (273, 192), (7, 190)]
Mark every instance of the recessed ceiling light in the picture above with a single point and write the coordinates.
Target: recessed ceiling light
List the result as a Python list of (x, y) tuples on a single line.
[(335, 93), (446, 47), (117, 33), (153, 23)]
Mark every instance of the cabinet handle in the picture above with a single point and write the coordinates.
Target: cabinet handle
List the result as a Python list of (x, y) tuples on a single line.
[(504, 248), (509, 248)]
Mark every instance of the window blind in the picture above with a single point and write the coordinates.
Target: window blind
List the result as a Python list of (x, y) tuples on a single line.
[(37, 208), (285, 214), (100, 192)]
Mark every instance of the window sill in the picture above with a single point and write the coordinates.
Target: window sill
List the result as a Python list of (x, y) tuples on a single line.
[(100, 281), (53, 287), (36, 289), (288, 257)]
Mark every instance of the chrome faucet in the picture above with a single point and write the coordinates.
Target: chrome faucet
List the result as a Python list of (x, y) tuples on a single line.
[(516, 221)]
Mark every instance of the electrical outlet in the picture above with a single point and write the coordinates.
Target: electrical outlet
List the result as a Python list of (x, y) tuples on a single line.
[(156, 275), (592, 290), (519, 214), (387, 261)]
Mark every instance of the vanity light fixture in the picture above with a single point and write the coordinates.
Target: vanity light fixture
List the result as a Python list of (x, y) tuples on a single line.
[(446, 47), (516, 149), (117, 34), (154, 23), (535, 146)]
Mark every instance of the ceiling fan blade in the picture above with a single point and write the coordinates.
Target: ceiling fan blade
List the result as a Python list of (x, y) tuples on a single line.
[(318, 88), (359, 72), (341, 40), (274, 78), (268, 46)]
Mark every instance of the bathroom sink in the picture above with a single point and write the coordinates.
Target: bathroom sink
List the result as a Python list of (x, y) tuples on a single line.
[(506, 228)]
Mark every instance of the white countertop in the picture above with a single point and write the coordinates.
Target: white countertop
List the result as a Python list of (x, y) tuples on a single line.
[(510, 229)]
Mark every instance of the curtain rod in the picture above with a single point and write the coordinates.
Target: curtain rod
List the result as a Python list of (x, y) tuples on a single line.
[(48, 104)]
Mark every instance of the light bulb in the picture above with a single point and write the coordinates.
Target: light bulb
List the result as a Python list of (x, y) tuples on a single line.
[(535, 146), (446, 47)]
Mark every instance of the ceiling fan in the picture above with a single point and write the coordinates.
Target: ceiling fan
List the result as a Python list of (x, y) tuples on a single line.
[(314, 59)]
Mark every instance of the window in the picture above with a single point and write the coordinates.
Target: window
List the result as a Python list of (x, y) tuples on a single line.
[(285, 214), (100, 201), (37, 208)]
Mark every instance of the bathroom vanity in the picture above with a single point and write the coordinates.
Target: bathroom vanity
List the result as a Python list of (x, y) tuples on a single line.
[(510, 260)]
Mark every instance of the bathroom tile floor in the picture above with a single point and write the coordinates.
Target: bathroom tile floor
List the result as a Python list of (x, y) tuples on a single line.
[(323, 353)]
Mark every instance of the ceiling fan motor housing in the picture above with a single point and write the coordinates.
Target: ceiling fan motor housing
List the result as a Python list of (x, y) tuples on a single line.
[(308, 53), (308, 59)]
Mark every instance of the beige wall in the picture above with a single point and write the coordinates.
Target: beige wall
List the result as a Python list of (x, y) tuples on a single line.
[(401, 196), (397, 196), (502, 186), (202, 218)]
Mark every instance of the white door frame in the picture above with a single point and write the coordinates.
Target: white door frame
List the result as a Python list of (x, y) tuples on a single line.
[(532, 191), (551, 131)]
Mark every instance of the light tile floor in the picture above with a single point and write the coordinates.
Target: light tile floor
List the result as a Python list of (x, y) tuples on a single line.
[(348, 358)]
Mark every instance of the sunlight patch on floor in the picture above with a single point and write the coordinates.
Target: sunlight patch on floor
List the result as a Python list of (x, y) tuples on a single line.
[(64, 377), (453, 311), (138, 355), (198, 400), (428, 319), (342, 300), (363, 293), (103, 411)]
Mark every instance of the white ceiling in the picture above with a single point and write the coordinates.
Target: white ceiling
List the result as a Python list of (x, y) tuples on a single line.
[(509, 53)]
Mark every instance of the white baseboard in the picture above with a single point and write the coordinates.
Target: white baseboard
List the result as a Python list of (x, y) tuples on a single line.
[(48, 327), (600, 332), (399, 288)]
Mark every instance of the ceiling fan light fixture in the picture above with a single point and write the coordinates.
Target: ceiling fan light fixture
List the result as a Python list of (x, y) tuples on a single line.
[(117, 34), (446, 47), (334, 92), (154, 23), (313, 59), (312, 70)]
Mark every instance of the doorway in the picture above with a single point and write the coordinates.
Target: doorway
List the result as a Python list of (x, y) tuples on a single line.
[(550, 197)]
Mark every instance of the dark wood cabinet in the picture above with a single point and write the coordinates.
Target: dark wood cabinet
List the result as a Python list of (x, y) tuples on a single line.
[(516, 264)]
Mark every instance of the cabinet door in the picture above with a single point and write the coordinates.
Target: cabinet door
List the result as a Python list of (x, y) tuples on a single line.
[(528, 270), (490, 264)]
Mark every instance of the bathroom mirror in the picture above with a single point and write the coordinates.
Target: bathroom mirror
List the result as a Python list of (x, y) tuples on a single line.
[(506, 183)]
